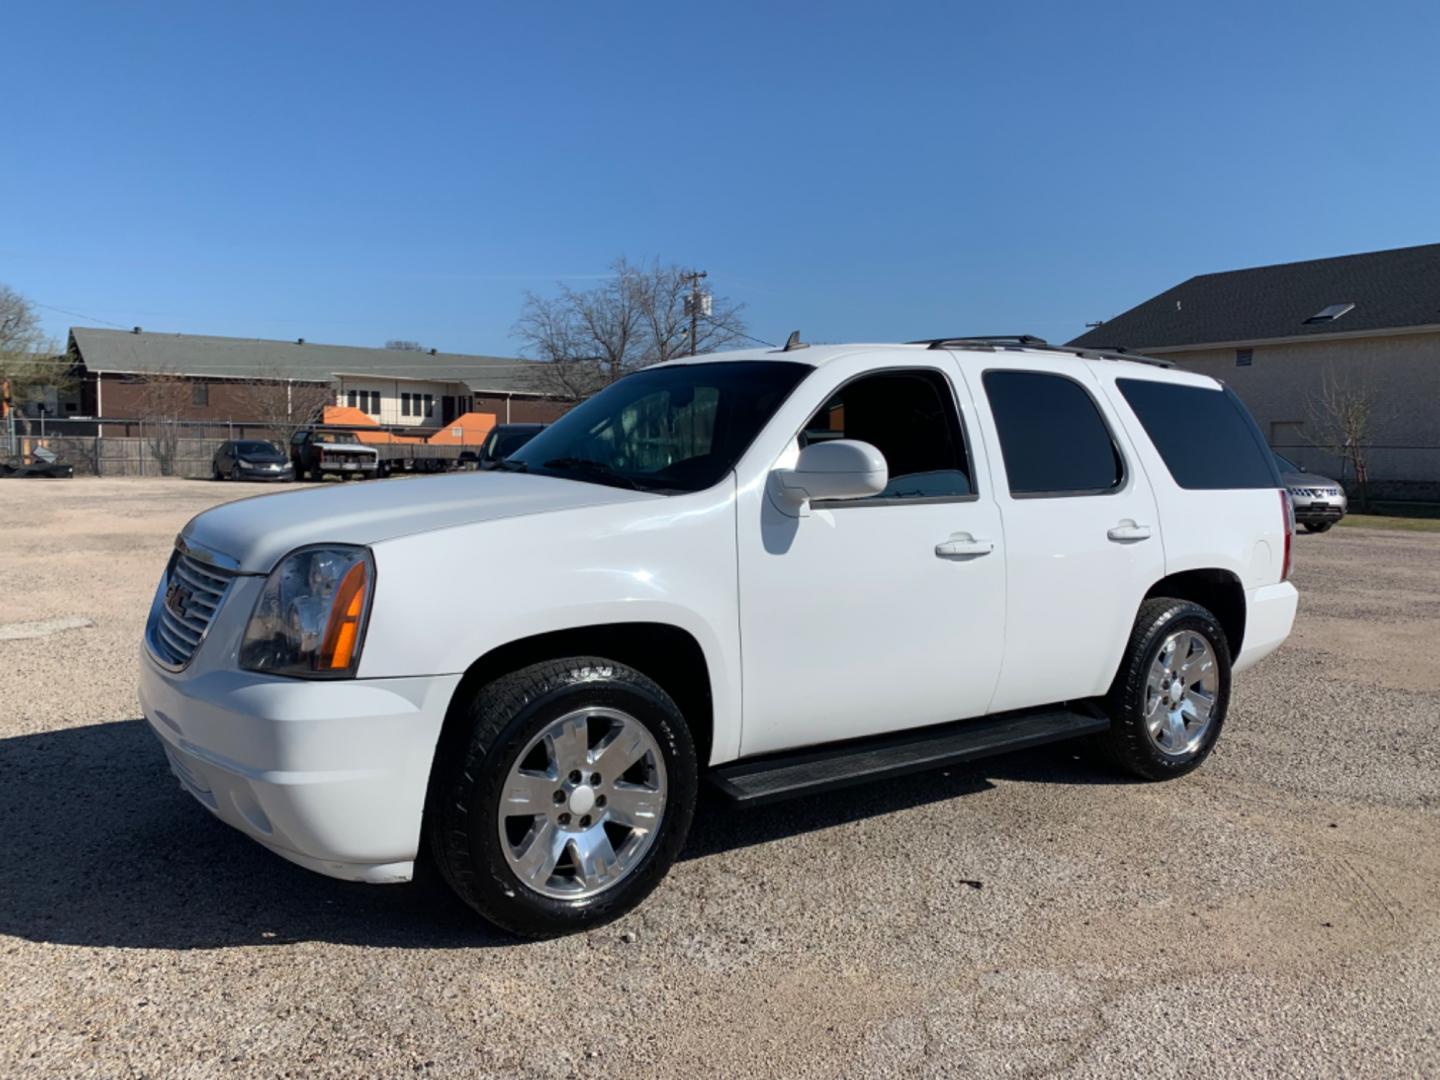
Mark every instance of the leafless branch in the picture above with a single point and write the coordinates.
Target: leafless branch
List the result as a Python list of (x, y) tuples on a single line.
[(283, 405), (1343, 414), (633, 319)]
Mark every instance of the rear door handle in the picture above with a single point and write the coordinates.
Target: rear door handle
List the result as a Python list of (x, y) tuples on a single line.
[(1127, 532), (963, 546)]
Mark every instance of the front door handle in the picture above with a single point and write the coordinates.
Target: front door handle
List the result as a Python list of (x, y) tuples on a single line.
[(1128, 532), (963, 546)]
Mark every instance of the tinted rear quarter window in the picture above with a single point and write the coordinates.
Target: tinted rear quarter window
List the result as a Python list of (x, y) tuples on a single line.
[(1052, 436), (1205, 437)]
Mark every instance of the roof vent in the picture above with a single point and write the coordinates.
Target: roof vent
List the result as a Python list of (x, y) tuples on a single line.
[(299, 341), (432, 352), (1328, 314), (135, 329)]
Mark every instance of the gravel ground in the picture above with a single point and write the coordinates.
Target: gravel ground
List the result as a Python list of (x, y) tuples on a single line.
[(1275, 913)]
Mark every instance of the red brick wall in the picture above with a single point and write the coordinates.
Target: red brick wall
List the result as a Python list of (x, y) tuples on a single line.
[(123, 397), (522, 410)]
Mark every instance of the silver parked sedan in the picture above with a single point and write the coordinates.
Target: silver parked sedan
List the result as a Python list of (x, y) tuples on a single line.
[(1319, 501)]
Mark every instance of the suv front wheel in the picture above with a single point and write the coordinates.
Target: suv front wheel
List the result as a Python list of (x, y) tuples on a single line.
[(564, 797), (1168, 702)]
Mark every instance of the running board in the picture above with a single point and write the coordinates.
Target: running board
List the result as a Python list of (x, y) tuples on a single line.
[(758, 781)]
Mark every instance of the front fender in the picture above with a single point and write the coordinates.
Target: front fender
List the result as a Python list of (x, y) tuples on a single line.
[(447, 597)]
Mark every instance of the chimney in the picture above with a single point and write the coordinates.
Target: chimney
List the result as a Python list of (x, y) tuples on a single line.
[(299, 341), (135, 330), (432, 352)]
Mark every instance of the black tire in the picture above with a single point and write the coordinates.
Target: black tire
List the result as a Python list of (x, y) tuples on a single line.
[(299, 474), (235, 472), (215, 473), (1317, 526), (472, 764), (1127, 745)]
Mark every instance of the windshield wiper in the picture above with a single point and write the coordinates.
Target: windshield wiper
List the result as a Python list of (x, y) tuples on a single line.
[(598, 468)]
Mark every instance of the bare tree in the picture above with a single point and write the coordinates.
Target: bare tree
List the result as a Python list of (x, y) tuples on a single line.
[(634, 318), (164, 400), (1343, 414), (405, 346), (283, 405), (661, 292), (28, 360)]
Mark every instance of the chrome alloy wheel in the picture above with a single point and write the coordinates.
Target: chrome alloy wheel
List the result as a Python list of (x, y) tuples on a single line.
[(1180, 693), (583, 803)]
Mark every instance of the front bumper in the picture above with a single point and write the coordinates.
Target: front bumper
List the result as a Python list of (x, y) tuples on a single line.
[(330, 775), (1316, 510)]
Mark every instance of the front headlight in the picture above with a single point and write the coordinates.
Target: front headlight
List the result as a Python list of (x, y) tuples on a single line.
[(310, 618)]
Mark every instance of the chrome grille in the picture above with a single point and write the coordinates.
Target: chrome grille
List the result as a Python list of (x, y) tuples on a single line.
[(192, 595)]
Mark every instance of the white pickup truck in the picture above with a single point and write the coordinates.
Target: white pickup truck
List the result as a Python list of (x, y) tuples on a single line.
[(779, 572)]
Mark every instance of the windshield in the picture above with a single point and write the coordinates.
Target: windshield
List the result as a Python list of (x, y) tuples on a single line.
[(506, 443), (255, 448), (664, 429), (1286, 465)]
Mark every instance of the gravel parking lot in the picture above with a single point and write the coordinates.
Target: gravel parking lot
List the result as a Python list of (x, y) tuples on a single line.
[(1274, 914)]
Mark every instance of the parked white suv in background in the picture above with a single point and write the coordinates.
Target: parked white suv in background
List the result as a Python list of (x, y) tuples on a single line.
[(782, 571)]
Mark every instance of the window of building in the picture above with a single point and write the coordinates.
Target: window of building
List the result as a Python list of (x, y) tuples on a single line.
[(1052, 436), (1244, 357), (199, 393), (350, 399), (1205, 436), (404, 404), (375, 402), (429, 404), (910, 417)]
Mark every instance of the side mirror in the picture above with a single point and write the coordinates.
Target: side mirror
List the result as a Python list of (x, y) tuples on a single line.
[(839, 469)]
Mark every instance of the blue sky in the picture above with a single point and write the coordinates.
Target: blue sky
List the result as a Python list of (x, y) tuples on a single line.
[(354, 172)]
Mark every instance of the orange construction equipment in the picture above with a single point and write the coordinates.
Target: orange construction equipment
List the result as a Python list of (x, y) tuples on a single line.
[(467, 430), (365, 426)]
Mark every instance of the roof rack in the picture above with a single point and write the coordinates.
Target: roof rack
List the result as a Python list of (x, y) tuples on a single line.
[(982, 339), (1029, 341)]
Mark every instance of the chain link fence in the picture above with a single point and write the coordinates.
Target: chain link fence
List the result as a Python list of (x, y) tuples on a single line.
[(180, 448)]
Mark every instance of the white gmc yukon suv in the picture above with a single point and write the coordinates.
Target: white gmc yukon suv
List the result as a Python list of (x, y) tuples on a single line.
[(775, 571)]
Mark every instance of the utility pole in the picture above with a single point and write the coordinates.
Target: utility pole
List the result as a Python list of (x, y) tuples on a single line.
[(696, 304)]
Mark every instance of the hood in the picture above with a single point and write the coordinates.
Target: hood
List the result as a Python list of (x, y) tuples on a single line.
[(1307, 479), (257, 532)]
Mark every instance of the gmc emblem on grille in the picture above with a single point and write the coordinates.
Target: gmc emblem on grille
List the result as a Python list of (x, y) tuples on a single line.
[(177, 598)]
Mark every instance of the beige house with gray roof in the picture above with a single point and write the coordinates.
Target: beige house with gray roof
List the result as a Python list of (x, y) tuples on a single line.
[(1365, 326)]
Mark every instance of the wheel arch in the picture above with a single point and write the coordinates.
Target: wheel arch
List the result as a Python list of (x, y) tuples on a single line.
[(1219, 591), (663, 652)]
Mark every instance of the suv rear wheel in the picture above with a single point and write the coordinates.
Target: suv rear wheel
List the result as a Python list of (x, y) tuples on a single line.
[(565, 797), (1169, 700)]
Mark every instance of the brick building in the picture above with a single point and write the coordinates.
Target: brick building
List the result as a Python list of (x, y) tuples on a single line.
[(243, 381)]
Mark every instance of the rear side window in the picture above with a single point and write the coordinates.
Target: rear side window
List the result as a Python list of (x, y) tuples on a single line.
[(1052, 435), (1205, 437)]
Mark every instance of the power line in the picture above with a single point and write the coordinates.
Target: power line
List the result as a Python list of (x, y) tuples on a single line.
[(79, 315), (747, 337)]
